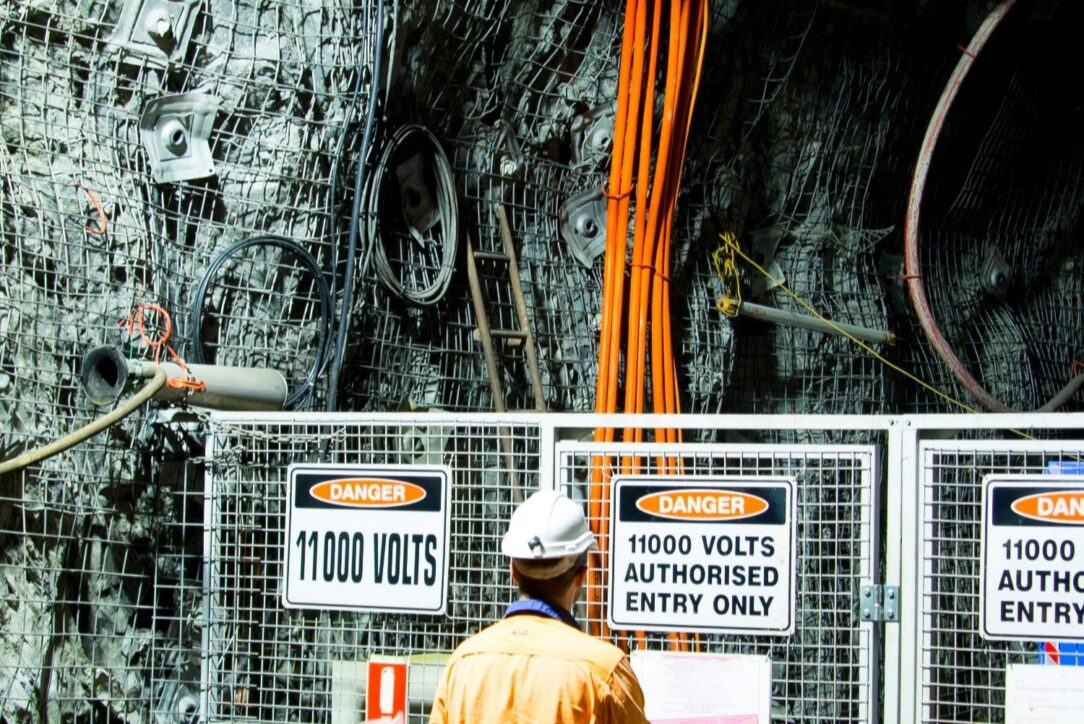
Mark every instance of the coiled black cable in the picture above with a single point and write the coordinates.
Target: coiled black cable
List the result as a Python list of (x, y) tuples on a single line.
[(447, 211), (324, 330)]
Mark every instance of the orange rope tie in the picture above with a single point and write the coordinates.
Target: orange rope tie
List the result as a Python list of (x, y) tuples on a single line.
[(606, 193), (137, 323), (189, 382), (103, 225)]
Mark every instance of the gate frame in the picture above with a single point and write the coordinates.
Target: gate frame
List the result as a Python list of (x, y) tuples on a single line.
[(899, 683), (903, 643)]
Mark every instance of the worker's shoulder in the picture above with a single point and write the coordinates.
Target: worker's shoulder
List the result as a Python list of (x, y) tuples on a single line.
[(538, 635), (603, 653)]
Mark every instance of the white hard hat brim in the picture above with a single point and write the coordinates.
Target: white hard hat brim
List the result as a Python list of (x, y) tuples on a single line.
[(543, 569)]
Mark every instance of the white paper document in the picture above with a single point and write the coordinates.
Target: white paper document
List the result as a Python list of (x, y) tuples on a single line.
[(692, 688), (1036, 694)]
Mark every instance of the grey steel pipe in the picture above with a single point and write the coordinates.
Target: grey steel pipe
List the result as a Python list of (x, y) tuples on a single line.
[(106, 371), (805, 321)]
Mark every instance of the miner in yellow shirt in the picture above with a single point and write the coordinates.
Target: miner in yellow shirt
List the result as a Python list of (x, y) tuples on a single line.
[(535, 664)]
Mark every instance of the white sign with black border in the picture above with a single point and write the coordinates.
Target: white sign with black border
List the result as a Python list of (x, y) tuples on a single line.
[(367, 538), (702, 554), (1032, 558)]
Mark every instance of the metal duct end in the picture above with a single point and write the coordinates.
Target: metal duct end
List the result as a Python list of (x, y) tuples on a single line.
[(104, 375)]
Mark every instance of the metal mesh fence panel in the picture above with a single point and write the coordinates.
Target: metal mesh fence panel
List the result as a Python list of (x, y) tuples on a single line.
[(264, 662), (963, 674), (827, 670)]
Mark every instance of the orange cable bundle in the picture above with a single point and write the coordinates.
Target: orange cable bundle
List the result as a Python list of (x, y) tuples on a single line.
[(657, 163)]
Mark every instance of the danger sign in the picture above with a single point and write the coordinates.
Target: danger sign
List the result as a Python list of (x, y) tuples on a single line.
[(702, 554), (367, 538), (1032, 563)]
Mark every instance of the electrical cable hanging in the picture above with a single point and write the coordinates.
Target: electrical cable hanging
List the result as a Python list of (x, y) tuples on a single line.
[(345, 308), (408, 138), (657, 164), (324, 329), (626, 121), (912, 265)]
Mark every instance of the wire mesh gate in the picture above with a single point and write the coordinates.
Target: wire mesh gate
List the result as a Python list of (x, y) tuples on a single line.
[(264, 662), (827, 669), (958, 675)]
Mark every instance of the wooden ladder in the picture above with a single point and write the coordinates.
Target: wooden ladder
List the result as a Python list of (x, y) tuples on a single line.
[(515, 337)]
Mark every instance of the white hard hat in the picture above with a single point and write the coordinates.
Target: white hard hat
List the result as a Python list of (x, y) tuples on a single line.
[(547, 528)]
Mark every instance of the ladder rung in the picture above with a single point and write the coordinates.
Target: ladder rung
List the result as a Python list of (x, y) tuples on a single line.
[(493, 255), (509, 333), (513, 336)]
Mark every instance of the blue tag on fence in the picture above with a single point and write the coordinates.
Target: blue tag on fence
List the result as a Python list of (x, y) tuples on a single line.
[(1064, 467), (1061, 653)]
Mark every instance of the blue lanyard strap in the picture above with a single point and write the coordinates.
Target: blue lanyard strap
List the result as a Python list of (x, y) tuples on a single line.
[(536, 607)]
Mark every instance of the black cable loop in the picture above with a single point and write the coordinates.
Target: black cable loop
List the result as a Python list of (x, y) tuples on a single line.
[(196, 354)]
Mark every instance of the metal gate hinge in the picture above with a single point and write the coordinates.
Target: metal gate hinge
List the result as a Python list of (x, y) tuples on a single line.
[(879, 603)]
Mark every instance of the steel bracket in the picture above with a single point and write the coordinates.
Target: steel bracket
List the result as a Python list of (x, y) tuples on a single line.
[(155, 31), (995, 274), (583, 225), (510, 161), (175, 131), (592, 138)]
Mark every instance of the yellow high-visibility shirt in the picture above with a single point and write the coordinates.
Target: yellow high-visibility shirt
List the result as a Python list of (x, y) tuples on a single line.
[(531, 668)]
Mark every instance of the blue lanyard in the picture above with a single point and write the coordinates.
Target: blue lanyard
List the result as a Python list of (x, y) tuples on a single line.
[(536, 607)]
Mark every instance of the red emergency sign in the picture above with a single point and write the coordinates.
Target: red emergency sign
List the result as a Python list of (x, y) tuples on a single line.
[(386, 698)]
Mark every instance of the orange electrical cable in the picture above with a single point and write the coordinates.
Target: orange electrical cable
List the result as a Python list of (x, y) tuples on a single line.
[(661, 198), (614, 269), (610, 260), (614, 259), (617, 223), (646, 240), (663, 370), (662, 215), (663, 203), (674, 399), (639, 278), (637, 103)]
